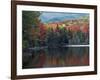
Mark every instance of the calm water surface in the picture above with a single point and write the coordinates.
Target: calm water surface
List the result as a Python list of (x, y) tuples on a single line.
[(56, 57)]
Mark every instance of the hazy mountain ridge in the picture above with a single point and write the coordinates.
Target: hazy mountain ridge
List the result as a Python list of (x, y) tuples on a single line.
[(47, 17)]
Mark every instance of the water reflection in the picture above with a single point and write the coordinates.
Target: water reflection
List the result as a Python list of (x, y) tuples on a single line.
[(56, 57)]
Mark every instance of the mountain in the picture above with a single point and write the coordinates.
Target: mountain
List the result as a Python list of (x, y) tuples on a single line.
[(47, 17)]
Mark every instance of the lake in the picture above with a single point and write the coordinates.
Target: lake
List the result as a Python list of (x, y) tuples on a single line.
[(55, 57)]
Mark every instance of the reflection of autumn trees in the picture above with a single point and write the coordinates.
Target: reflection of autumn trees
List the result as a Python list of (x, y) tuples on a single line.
[(70, 57), (58, 57), (42, 59), (85, 60)]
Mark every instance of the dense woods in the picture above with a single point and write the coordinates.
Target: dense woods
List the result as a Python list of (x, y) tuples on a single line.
[(29, 20), (55, 34)]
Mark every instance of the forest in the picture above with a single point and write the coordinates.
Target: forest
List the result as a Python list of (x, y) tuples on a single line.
[(37, 34)]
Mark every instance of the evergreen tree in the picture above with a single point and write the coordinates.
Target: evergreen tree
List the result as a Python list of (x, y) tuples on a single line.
[(30, 19)]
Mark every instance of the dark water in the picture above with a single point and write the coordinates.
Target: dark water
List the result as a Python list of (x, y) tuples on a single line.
[(56, 57)]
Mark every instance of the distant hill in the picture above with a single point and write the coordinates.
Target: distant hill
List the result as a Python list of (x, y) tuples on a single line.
[(47, 17)]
